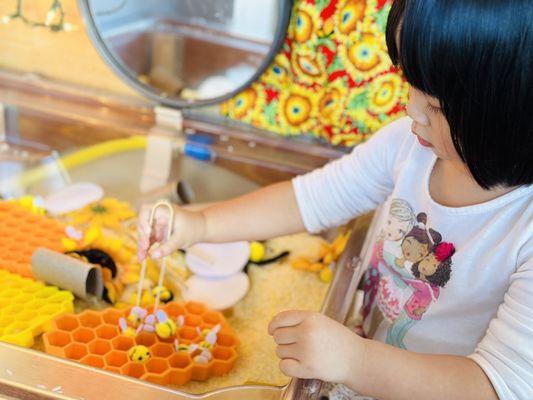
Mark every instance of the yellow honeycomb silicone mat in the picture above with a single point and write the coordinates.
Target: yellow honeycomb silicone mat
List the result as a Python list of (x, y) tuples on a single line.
[(27, 308)]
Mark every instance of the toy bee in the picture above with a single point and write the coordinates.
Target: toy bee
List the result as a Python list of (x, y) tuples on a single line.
[(165, 295), (180, 347), (165, 327), (210, 337), (203, 358), (137, 316), (139, 354), (126, 329)]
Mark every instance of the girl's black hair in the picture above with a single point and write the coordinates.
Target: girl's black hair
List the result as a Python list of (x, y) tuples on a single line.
[(476, 58), (440, 277)]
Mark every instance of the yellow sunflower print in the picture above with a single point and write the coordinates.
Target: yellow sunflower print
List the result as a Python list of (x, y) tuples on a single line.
[(330, 104), (242, 105), (349, 14), (332, 77), (364, 56), (298, 107), (385, 92), (278, 73), (310, 67), (106, 213), (306, 22)]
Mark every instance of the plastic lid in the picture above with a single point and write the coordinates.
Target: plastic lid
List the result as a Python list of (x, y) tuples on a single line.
[(73, 198), (218, 294), (217, 260)]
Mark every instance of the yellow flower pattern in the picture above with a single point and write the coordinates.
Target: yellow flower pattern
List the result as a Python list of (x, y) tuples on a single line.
[(106, 213), (332, 78)]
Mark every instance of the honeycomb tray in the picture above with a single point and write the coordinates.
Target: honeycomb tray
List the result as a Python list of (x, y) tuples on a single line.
[(21, 233), (94, 338), (27, 308)]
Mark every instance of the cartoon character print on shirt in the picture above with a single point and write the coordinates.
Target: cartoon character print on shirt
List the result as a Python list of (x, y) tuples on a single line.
[(400, 221), (405, 276)]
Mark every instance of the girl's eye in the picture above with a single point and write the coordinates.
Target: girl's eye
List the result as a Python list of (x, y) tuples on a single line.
[(433, 108)]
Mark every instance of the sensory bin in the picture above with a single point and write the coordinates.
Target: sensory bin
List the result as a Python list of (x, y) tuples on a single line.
[(22, 232), (28, 307), (94, 338)]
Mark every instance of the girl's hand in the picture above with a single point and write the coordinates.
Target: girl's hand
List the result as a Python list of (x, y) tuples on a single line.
[(313, 346), (188, 228)]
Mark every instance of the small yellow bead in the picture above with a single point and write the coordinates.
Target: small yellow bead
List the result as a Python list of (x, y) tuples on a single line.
[(257, 251), (326, 275)]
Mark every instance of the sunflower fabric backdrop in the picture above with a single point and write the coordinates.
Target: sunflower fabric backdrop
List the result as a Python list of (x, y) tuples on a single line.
[(332, 79)]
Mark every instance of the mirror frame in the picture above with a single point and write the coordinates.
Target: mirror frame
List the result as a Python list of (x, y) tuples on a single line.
[(284, 10)]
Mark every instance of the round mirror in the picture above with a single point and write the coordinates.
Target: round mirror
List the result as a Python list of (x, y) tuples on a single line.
[(187, 52)]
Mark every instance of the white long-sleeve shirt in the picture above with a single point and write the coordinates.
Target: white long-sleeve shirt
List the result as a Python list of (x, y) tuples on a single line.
[(439, 279)]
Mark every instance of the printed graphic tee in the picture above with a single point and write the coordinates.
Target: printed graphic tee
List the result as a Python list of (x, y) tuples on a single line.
[(439, 279)]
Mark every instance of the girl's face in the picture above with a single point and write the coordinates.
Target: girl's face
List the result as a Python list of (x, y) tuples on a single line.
[(395, 229), (413, 250), (430, 125), (428, 266)]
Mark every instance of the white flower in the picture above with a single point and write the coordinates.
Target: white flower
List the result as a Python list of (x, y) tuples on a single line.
[(68, 27), (5, 19)]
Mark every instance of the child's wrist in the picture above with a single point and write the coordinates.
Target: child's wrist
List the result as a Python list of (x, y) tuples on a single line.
[(202, 232), (357, 356)]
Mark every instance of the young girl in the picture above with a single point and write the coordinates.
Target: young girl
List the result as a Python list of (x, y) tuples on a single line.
[(467, 332)]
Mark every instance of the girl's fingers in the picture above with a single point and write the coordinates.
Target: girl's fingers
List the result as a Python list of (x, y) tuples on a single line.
[(285, 335), (286, 318), (287, 351), (143, 224), (290, 367), (160, 232), (143, 246), (166, 248)]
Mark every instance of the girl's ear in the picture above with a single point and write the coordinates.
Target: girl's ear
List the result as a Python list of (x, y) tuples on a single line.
[(435, 236)]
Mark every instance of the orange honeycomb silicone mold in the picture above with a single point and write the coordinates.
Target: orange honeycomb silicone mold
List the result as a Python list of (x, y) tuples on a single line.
[(95, 339), (27, 308), (22, 232)]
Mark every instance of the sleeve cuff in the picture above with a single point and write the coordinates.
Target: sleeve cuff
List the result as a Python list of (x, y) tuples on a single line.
[(311, 223)]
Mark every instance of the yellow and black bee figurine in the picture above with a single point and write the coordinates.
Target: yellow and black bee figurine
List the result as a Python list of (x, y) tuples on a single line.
[(165, 295), (164, 328), (139, 354)]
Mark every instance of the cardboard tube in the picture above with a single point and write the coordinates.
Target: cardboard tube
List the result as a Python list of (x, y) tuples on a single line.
[(68, 273)]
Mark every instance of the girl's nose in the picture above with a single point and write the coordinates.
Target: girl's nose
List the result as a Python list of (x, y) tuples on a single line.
[(416, 107)]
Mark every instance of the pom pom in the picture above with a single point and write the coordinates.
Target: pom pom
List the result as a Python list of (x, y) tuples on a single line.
[(444, 251)]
